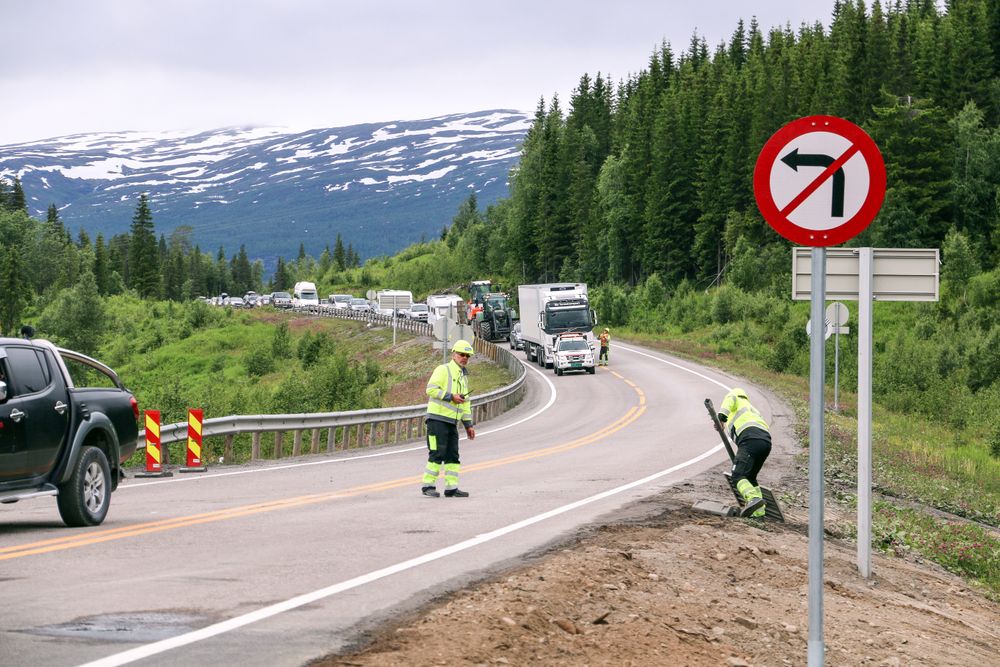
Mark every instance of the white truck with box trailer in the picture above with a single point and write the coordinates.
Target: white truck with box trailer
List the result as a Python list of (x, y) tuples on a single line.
[(550, 310)]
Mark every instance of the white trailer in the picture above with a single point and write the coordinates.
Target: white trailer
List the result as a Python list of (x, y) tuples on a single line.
[(552, 309), (393, 301), (445, 305)]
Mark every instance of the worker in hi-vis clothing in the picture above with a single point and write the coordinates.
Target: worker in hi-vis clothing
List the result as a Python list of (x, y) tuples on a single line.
[(447, 404), (753, 442), (605, 346)]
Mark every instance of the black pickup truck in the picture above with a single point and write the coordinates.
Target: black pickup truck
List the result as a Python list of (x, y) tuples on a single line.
[(67, 424)]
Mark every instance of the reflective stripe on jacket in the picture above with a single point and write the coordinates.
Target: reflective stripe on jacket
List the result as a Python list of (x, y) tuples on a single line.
[(740, 414), (448, 379)]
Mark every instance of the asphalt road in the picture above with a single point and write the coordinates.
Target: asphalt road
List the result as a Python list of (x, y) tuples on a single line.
[(279, 563)]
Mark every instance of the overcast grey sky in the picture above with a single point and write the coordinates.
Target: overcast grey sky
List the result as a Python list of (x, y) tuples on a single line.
[(81, 66)]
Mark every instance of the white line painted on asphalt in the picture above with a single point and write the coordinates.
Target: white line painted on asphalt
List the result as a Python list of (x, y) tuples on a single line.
[(670, 363), (178, 480), (156, 648), (216, 629)]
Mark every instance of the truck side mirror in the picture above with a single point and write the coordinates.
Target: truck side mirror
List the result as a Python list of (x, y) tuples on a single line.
[(3, 391), (593, 316)]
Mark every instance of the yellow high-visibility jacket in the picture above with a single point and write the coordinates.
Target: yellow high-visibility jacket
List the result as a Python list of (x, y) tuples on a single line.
[(737, 411), (448, 379)]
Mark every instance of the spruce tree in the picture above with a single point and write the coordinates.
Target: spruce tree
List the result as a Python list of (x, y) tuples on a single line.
[(144, 270), (102, 270), (339, 255), (17, 200), (14, 289)]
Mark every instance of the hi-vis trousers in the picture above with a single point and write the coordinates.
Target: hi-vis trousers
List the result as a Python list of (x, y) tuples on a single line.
[(442, 453)]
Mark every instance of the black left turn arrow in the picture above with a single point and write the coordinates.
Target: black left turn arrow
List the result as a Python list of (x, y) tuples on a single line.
[(796, 160)]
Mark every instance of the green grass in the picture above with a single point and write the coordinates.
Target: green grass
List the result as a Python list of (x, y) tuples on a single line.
[(356, 367), (968, 550)]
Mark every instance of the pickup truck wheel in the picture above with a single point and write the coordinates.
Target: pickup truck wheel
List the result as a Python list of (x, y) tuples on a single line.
[(558, 371), (84, 499), (592, 370)]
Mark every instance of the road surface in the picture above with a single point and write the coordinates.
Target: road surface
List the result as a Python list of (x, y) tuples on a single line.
[(282, 562)]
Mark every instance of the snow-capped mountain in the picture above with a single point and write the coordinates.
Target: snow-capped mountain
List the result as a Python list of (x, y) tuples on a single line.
[(381, 186)]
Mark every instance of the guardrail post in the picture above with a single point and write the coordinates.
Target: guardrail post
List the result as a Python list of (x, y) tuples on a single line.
[(331, 439), (254, 446), (297, 443), (278, 436), (314, 444)]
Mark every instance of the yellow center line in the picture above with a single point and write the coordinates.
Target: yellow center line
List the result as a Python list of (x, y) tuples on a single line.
[(106, 535)]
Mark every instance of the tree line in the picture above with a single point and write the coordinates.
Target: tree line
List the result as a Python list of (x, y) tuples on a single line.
[(40, 259), (648, 176), (654, 175)]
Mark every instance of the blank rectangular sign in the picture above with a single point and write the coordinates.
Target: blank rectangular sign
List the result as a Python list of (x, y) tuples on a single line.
[(898, 274)]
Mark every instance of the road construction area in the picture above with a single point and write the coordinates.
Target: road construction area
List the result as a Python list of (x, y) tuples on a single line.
[(660, 584)]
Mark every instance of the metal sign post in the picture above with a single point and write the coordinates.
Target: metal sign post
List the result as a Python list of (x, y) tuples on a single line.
[(817, 368), (865, 261), (818, 181), (866, 275), (836, 316)]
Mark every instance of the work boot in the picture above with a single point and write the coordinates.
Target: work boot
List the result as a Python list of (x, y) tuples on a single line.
[(759, 514), (456, 493), (753, 500), (754, 508), (430, 492)]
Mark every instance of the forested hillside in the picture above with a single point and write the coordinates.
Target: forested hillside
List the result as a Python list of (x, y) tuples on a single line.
[(643, 190)]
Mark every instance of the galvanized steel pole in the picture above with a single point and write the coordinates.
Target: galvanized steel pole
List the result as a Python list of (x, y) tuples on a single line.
[(865, 260), (817, 366)]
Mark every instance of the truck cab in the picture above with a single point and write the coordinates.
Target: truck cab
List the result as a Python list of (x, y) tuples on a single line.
[(550, 310), (304, 294)]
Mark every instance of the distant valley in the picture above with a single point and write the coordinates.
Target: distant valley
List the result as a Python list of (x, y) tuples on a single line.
[(381, 186)]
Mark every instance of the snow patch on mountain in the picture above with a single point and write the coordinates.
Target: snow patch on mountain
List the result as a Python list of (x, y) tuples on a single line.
[(264, 180)]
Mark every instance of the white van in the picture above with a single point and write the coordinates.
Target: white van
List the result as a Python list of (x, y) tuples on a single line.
[(305, 294)]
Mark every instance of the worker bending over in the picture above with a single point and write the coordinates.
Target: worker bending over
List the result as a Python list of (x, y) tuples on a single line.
[(753, 442)]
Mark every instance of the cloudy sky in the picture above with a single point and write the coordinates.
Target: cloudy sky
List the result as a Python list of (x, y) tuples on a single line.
[(71, 66)]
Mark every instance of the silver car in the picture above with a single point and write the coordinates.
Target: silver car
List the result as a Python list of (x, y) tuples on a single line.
[(516, 342), (360, 306)]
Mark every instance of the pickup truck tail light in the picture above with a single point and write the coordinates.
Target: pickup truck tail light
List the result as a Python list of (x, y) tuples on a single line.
[(135, 407)]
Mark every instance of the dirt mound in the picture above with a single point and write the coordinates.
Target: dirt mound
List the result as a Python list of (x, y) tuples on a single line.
[(685, 588)]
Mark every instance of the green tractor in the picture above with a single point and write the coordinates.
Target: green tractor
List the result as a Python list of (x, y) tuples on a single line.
[(496, 318)]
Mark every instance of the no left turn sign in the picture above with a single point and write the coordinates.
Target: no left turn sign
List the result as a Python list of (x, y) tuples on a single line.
[(819, 181)]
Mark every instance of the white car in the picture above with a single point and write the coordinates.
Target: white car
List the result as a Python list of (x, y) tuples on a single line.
[(360, 306), (573, 353), (418, 311), (340, 301)]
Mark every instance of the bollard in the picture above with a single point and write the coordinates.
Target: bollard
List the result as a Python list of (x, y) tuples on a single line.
[(154, 454), (196, 417)]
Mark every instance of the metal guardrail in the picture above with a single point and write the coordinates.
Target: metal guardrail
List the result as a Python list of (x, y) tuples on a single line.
[(352, 429), (402, 323)]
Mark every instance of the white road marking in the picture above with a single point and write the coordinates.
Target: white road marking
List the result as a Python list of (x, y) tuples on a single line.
[(670, 363), (216, 629), (149, 650)]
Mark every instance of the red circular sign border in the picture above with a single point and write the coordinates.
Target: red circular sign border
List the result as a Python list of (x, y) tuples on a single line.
[(812, 237)]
